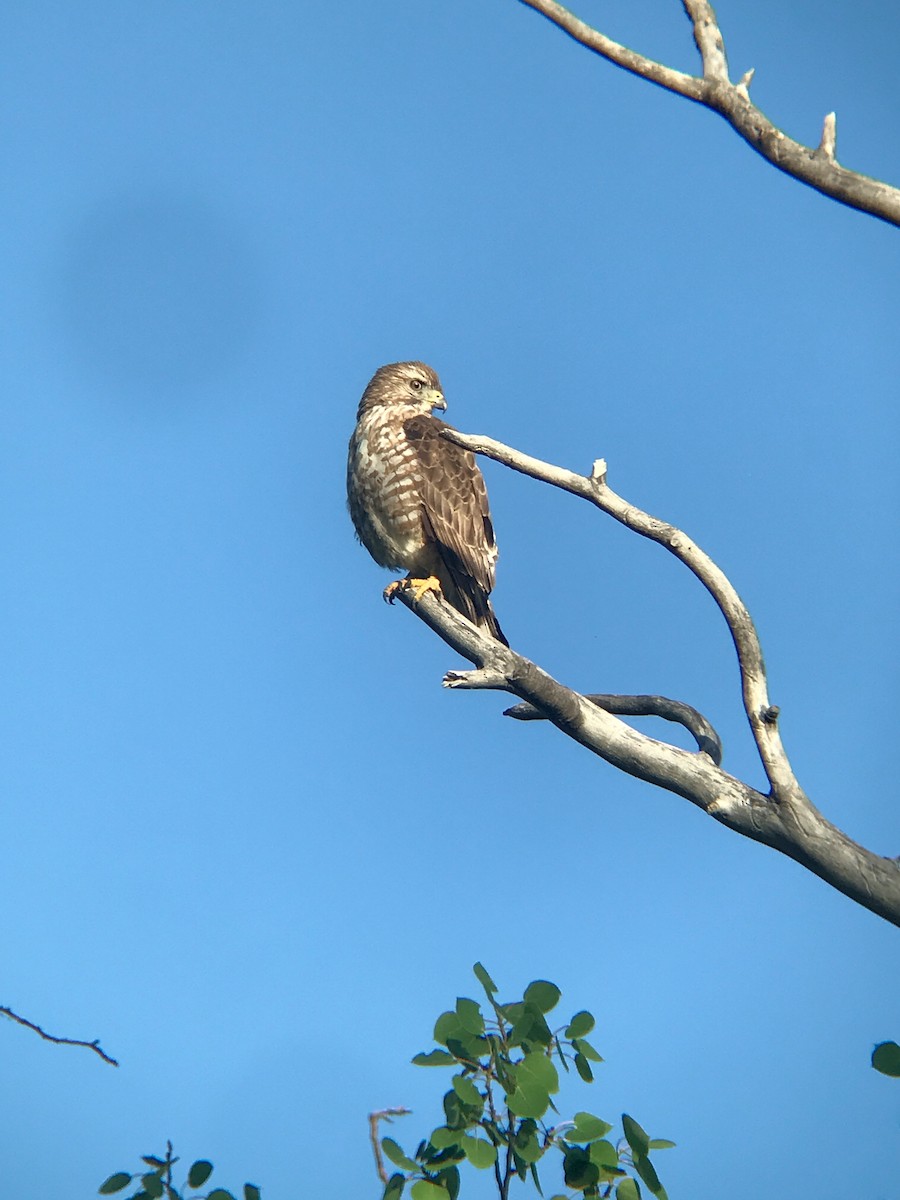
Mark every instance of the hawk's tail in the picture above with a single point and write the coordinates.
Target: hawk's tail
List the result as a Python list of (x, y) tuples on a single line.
[(467, 596), (475, 604), (488, 620)]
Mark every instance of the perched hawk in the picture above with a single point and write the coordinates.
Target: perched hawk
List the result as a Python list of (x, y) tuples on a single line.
[(419, 502)]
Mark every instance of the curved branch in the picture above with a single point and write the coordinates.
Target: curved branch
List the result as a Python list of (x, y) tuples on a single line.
[(708, 741), (817, 167), (761, 715), (785, 820)]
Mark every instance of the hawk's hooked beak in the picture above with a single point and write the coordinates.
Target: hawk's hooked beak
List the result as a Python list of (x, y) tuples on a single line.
[(437, 400)]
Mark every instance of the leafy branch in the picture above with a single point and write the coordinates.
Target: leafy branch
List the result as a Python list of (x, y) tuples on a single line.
[(495, 1113), (155, 1181)]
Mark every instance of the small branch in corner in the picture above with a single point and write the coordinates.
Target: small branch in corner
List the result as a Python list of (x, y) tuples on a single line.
[(59, 1041)]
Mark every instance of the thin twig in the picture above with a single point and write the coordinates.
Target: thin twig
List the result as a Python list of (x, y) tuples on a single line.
[(59, 1041), (384, 1114)]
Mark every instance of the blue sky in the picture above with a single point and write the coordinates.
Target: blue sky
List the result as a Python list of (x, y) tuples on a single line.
[(250, 843)]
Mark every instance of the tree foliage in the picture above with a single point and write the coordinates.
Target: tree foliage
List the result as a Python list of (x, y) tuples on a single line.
[(154, 1181), (497, 1111)]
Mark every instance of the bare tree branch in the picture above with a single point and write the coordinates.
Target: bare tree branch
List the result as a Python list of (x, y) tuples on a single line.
[(785, 819), (375, 1118), (816, 167), (59, 1041), (643, 706)]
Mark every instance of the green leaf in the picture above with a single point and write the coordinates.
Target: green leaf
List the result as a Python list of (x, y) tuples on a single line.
[(435, 1058), (252, 1192), (536, 1180), (536, 1077), (557, 1045), (527, 1143), (467, 1091), (628, 1189), (647, 1172), (583, 1067), (484, 979), (605, 1155), (394, 1188), (152, 1161), (588, 1128), (581, 1023), (199, 1173), (153, 1185), (442, 1137), (529, 1026), (662, 1144), (447, 1025), (469, 1014), (543, 995), (578, 1170), (454, 1110), (539, 1068), (635, 1136), (396, 1155), (115, 1183), (479, 1152), (584, 1047), (424, 1189), (449, 1031), (886, 1059), (219, 1194), (450, 1180), (529, 1101)]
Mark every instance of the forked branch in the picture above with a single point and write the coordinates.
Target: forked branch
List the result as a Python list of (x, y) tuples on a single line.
[(784, 819), (816, 167)]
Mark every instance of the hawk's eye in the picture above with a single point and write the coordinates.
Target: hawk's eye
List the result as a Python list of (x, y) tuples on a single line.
[(416, 385)]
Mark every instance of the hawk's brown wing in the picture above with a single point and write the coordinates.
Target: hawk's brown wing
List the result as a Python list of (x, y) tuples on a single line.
[(455, 512)]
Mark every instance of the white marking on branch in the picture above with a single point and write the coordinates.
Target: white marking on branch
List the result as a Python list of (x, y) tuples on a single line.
[(743, 84), (829, 137)]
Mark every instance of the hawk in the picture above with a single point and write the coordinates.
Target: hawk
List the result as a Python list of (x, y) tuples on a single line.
[(418, 501)]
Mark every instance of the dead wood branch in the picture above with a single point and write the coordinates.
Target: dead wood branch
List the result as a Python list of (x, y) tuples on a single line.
[(815, 166), (784, 819), (59, 1041)]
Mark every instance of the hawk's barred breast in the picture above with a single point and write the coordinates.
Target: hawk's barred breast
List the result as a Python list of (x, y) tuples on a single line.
[(383, 490)]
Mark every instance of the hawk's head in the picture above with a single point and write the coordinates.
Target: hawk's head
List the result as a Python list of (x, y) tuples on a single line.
[(410, 386)]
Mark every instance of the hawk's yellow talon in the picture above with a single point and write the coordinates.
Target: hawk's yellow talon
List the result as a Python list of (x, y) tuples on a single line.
[(421, 586), (418, 587)]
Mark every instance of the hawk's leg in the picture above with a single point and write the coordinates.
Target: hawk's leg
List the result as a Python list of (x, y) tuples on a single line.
[(418, 587)]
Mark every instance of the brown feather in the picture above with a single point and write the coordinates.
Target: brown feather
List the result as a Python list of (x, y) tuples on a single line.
[(418, 501)]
